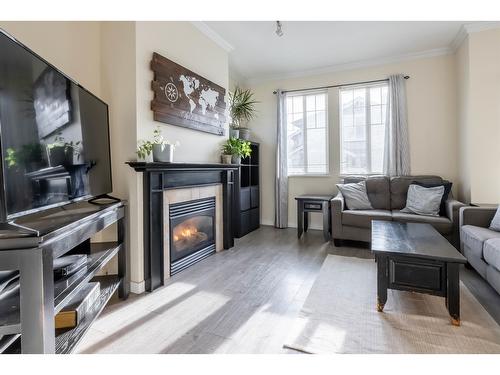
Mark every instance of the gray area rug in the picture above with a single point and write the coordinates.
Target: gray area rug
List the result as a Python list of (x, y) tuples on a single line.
[(339, 316)]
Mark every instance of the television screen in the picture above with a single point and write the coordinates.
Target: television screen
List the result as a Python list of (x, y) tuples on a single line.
[(54, 135)]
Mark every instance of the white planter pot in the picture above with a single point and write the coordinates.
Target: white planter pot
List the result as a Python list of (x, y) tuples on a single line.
[(236, 159), (163, 153)]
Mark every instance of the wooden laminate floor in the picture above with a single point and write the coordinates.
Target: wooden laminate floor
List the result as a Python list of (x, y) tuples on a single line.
[(242, 300)]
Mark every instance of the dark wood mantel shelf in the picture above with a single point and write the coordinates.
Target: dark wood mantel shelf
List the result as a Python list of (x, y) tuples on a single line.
[(158, 177)]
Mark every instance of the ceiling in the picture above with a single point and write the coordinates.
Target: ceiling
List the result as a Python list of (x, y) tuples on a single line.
[(257, 53)]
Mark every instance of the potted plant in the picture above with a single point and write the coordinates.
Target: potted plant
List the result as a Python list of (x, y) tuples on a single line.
[(145, 151), (61, 152), (237, 148), (241, 110), (163, 150)]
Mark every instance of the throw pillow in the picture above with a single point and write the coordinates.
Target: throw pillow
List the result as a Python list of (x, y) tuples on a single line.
[(495, 223), (355, 196), (423, 201), (447, 189)]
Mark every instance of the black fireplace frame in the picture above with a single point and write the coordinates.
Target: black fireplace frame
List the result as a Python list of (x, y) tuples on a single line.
[(190, 209), (158, 177)]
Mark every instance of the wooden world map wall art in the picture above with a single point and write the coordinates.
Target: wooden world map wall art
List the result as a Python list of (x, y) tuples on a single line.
[(184, 98)]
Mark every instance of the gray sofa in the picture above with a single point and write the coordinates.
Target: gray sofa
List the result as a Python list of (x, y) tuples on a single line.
[(480, 245), (388, 196)]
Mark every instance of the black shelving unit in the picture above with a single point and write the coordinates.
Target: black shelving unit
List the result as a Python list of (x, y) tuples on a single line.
[(23, 329), (247, 194)]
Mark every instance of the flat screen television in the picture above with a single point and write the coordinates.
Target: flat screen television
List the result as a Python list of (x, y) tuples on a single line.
[(54, 135)]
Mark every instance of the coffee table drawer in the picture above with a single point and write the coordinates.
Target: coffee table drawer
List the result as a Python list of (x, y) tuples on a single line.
[(417, 275)]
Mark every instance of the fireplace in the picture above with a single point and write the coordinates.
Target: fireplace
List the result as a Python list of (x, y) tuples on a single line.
[(192, 232)]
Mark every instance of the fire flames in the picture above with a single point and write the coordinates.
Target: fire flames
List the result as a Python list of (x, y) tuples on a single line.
[(185, 232)]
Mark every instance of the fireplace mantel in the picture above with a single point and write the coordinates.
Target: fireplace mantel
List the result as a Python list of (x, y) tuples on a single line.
[(158, 177)]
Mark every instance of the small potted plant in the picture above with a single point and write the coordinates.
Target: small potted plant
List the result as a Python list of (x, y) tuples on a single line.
[(163, 150), (145, 151), (61, 152), (241, 110), (237, 148)]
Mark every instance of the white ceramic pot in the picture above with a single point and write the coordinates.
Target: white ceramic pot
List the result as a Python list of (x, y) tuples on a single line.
[(226, 159), (236, 159), (163, 153), (147, 159)]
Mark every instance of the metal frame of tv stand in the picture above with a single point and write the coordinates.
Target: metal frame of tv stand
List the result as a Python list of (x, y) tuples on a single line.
[(37, 327)]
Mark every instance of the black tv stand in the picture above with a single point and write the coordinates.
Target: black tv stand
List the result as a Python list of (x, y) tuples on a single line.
[(27, 323), (108, 199)]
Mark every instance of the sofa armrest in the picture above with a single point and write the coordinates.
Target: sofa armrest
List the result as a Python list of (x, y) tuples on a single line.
[(478, 216), (337, 206), (453, 210)]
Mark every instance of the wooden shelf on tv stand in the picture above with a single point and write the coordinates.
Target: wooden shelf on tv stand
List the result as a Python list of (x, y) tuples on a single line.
[(21, 329)]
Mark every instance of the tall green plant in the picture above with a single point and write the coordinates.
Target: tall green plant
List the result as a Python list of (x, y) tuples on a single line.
[(241, 106)]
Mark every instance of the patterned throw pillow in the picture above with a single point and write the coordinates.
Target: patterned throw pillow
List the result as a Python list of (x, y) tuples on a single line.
[(495, 223), (355, 196), (423, 201)]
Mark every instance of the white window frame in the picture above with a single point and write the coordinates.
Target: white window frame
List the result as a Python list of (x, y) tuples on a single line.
[(368, 143), (327, 125)]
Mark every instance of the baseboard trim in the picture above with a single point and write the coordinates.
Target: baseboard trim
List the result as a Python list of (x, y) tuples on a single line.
[(137, 288)]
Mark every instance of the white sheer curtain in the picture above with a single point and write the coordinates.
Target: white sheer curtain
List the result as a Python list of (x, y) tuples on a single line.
[(397, 147), (281, 190)]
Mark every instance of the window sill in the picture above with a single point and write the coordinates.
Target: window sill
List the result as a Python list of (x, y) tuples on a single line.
[(309, 175), (360, 174)]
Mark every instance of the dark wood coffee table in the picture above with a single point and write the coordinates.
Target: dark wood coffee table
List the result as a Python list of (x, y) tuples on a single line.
[(415, 257)]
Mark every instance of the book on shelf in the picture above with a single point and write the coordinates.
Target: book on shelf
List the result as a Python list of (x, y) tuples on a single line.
[(73, 313)]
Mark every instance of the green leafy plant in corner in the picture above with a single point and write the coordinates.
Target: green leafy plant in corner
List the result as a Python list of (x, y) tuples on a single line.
[(241, 106), (237, 147)]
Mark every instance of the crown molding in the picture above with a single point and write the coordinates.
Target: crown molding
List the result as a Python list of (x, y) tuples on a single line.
[(470, 28), (210, 33), (353, 65)]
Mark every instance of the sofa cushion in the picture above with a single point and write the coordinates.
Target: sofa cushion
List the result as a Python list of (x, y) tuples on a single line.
[(491, 252), (442, 224), (399, 188), (355, 196), (363, 218), (423, 201), (377, 188), (474, 237)]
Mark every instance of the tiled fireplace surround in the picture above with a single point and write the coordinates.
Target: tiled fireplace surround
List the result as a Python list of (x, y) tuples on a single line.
[(184, 195)]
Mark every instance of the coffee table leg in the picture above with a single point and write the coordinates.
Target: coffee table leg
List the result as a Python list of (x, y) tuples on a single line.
[(453, 293), (382, 282)]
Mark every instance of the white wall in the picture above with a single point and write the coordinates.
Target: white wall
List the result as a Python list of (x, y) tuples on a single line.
[(484, 96), (72, 47), (431, 117)]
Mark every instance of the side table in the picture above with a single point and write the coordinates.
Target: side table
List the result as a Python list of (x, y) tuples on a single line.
[(313, 203)]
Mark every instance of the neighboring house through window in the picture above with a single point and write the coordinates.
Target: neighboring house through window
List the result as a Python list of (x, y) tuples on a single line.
[(307, 133), (362, 129)]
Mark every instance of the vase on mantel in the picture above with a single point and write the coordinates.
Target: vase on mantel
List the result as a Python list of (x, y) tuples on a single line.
[(226, 159), (163, 153)]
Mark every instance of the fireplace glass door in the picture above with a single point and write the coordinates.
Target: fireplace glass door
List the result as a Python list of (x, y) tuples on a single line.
[(192, 227)]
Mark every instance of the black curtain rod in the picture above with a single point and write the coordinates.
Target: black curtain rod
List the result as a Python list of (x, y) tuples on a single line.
[(345, 84)]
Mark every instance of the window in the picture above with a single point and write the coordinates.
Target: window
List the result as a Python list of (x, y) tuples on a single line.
[(307, 133), (362, 129)]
